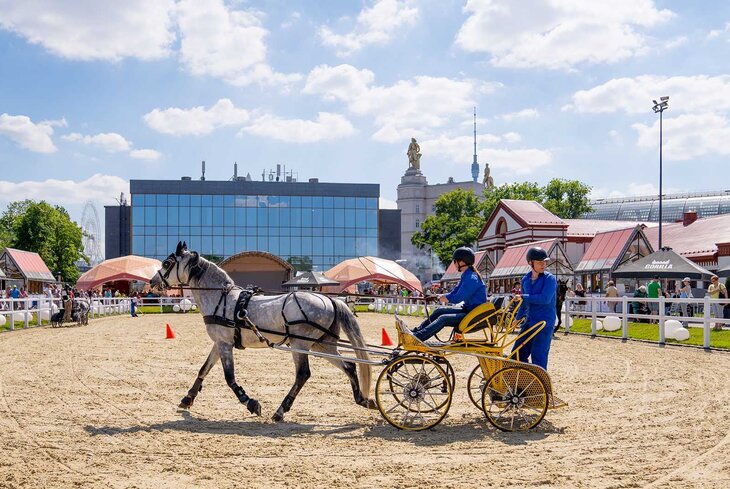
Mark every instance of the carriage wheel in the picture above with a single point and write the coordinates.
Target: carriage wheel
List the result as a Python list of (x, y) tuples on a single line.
[(475, 386), (514, 399), (413, 393), (394, 380)]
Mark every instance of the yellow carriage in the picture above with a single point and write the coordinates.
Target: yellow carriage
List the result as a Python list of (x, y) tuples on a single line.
[(415, 389)]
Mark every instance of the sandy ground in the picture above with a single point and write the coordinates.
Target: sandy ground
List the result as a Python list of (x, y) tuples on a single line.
[(96, 406)]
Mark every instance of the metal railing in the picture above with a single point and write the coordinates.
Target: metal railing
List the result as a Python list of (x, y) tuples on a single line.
[(705, 312)]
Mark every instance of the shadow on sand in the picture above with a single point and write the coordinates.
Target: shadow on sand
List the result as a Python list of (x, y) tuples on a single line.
[(443, 434)]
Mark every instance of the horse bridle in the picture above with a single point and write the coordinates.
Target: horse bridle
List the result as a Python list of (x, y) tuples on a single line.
[(194, 265), (171, 260)]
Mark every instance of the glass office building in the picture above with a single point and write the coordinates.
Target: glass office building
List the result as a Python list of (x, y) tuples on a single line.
[(307, 223)]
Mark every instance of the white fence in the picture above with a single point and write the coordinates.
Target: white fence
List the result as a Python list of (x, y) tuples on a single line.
[(704, 313), (40, 308)]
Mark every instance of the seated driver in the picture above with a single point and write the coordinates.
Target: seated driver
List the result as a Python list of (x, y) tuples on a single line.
[(470, 290)]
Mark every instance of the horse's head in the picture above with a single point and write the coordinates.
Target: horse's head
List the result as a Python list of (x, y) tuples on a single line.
[(562, 288), (176, 269)]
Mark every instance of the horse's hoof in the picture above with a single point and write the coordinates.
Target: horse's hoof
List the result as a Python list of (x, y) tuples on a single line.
[(254, 407), (186, 402), (277, 417), (371, 404)]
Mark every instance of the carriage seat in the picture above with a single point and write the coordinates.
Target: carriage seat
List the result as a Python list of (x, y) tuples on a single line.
[(481, 317)]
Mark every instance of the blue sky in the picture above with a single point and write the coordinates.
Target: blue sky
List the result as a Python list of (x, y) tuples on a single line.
[(95, 93)]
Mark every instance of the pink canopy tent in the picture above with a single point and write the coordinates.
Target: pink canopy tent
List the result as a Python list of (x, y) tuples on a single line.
[(372, 269), (129, 267)]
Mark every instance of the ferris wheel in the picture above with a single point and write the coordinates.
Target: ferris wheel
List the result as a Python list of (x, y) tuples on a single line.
[(91, 233)]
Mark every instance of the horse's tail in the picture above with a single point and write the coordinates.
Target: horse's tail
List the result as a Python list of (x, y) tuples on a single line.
[(352, 329)]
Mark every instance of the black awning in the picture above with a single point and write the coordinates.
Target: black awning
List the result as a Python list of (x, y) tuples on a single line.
[(664, 263), (310, 279)]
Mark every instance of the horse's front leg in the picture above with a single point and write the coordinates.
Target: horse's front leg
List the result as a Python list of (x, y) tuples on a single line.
[(303, 373), (188, 400), (226, 353)]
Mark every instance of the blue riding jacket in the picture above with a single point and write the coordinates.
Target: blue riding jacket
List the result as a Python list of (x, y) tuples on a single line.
[(538, 300), (470, 290)]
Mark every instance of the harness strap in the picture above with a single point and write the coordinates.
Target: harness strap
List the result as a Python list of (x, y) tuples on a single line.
[(306, 320)]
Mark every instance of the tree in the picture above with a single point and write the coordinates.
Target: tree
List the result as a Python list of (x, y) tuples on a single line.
[(9, 220), (515, 191), (459, 216), (50, 232), (567, 198)]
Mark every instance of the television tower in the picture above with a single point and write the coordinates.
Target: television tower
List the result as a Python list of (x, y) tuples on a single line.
[(475, 165)]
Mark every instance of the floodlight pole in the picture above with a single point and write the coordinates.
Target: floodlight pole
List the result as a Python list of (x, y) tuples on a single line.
[(660, 107)]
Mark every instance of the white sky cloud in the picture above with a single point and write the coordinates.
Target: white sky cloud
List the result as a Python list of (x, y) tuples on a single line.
[(387, 204), (687, 136), (327, 126), (522, 114), (376, 25), (504, 161), (558, 34), (699, 93), (225, 43), (85, 30), (145, 154), (65, 192), (198, 120), (400, 109), (110, 142), (26, 134)]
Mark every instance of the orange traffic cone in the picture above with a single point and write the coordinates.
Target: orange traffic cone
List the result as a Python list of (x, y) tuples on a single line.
[(170, 335), (385, 339)]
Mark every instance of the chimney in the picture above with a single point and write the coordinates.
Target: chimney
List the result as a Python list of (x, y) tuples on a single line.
[(689, 217)]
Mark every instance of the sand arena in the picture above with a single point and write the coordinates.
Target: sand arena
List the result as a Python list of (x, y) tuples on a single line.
[(96, 406)]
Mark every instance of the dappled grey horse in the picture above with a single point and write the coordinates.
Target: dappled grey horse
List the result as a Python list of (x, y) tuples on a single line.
[(303, 320)]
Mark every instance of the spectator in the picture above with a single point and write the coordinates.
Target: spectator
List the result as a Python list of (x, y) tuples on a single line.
[(516, 289), (685, 292), (612, 291), (653, 290), (717, 290), (579, 292), (640, 306)]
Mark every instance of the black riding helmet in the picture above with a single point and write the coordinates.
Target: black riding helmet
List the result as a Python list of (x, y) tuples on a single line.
[(464, 254), (537, 254)]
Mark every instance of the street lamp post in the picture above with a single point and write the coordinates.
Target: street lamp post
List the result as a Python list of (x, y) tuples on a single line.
[(660, 107)]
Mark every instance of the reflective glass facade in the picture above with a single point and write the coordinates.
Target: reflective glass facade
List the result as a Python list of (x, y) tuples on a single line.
[(319, 229)]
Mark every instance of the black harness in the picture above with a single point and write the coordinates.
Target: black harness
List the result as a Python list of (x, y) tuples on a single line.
[(241, 320)]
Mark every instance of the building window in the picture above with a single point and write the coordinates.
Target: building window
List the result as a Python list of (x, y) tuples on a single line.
[(418, 224), (418, 208)]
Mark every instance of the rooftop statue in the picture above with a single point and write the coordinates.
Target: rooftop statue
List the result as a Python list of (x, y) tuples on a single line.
[(414, 155)]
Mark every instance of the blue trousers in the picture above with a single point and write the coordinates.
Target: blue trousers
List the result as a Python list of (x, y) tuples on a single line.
[(537, 349), (438, 320)]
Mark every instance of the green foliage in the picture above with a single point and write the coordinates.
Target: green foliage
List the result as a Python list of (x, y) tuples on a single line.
[(459, 218), (301, 263), (48, 231), (515, 191), (567, 198), (8, 221)]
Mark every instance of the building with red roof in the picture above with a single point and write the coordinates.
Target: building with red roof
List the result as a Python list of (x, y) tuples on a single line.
[(512, 266), (608, 251), (26, 268), (482, 263), (595, 248)]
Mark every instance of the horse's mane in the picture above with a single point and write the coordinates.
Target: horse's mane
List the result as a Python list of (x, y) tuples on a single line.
[(201, 267)]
